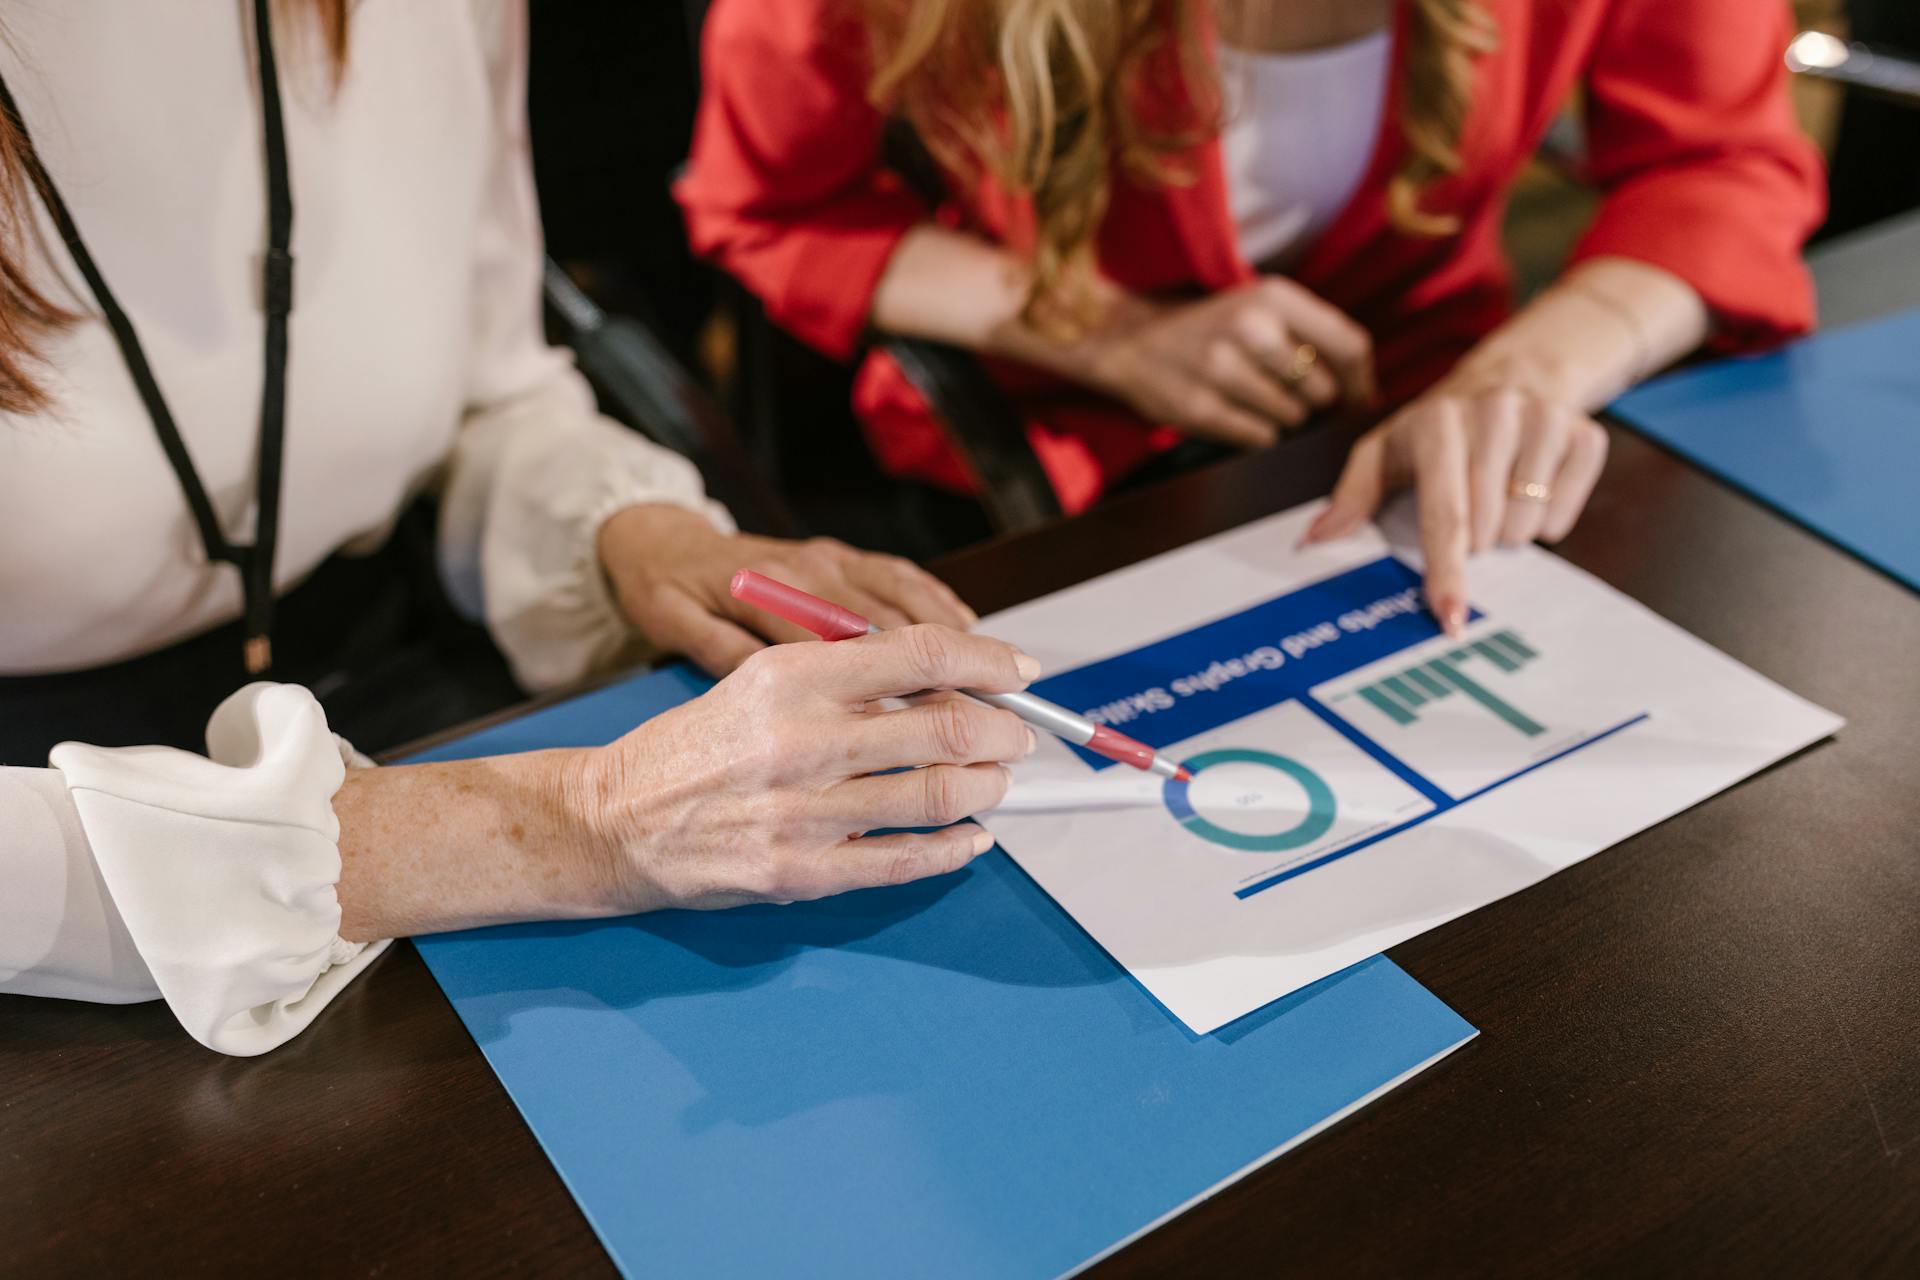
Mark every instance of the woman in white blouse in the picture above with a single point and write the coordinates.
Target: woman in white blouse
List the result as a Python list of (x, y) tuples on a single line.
[(187, 371)]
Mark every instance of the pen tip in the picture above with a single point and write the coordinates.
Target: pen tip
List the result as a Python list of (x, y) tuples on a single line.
[(1183, 774)]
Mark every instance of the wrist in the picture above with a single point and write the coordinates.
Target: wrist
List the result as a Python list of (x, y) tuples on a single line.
[(638, 540), (585, 794), (1598, 330), (1106, 356), (650, 533), (1090, 349)]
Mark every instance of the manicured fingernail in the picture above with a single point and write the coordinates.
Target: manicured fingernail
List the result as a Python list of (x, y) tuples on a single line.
[(1453, 617), (1028, 666), (982, 841)]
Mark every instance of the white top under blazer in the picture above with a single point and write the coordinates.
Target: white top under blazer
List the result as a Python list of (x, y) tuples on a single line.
[(1299, 135), (416, 358)]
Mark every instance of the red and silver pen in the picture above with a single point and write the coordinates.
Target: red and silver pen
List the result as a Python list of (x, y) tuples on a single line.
[(831, 622)]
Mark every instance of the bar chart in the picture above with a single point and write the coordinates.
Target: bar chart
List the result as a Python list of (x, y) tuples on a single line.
[(1466, 672)]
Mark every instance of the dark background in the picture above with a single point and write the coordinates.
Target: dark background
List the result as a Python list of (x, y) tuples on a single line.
[(1701, 1048)]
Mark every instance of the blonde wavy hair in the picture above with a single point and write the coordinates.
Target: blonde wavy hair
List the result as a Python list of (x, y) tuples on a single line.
[(1053, 97)]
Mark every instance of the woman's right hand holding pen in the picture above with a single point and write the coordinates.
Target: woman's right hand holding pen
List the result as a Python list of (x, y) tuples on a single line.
[(762, 789)]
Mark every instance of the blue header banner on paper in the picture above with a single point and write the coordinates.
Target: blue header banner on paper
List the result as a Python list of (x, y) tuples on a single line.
[(1172, 689)]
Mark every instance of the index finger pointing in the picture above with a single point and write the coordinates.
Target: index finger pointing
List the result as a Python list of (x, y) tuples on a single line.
[(1442, 487), (892, 664)]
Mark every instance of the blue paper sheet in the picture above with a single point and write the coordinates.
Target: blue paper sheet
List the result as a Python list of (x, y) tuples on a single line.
[(1827, 431), (943, 1079)]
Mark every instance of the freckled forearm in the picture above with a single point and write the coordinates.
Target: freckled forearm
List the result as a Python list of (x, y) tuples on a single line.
[(427, 848)]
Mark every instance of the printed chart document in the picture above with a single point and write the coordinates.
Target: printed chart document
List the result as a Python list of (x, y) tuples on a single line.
[(1358, 776)]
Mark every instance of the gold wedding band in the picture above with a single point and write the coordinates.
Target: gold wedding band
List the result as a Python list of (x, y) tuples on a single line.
[(1530, 491), (1305, 356)]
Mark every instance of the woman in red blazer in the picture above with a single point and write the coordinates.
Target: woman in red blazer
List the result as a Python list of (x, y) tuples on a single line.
[(1089, 235)]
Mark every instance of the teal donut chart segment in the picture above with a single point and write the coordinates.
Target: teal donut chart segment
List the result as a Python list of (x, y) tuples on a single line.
[(1317, 822)]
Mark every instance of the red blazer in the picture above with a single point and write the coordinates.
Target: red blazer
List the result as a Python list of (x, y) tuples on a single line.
[(1692, 142)]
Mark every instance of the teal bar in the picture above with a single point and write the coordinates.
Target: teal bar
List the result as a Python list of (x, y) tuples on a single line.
[(1497, 656), (1515, 645), (1467, 685), (1428, 685), (1395, 712), (1404, 691), (1460, 655)]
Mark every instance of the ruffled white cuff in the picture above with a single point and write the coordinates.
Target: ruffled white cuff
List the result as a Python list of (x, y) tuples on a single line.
[(223, 869), (520, 521)]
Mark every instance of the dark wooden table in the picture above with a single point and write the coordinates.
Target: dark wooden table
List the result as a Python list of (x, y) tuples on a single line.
[(1700, 1049)]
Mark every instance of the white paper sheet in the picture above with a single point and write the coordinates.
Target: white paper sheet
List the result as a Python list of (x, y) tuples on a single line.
[(1360, 777)]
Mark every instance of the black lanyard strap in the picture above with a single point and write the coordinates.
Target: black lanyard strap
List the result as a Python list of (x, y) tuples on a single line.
[(255, 562)]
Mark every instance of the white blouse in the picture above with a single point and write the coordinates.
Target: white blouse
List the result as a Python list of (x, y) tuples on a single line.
[(416, 359), (1299, 136)]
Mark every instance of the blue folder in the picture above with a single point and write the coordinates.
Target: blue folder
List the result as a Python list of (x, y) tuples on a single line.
[(1827, 431), (943, 1079)]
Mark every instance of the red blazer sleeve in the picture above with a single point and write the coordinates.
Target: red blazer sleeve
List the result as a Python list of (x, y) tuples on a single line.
[(785, 189), (1703, 167)]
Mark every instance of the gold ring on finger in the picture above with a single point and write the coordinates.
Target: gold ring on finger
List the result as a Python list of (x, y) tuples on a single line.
[(1305, 356), (1530, 491)]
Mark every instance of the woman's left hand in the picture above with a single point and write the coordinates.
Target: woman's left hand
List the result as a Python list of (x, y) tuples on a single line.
[(670, 571), (1489, 466)]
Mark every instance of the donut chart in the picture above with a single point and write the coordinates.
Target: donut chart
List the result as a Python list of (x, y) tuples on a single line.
[(1318, 820)]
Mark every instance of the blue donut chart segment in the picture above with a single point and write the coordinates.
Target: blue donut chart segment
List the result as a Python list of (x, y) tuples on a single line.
[(1317, 822)]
